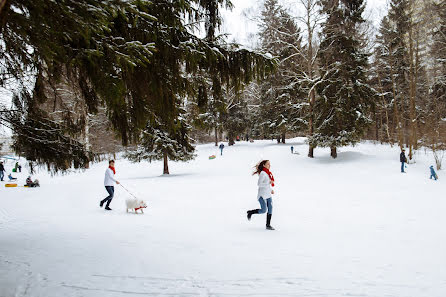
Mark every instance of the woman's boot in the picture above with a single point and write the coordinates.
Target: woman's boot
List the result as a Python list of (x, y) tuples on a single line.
[(268, 222), (251, 212)]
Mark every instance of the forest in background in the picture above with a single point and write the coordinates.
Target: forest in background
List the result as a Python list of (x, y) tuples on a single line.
[(138, 76)]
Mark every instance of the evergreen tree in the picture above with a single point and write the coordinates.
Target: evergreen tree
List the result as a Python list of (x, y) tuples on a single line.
[(283, 96), (345, 96), (235, 120), (159, 142), (137, 58)]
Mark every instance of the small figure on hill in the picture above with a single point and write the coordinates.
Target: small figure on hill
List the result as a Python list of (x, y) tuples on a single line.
[(109, 183), (433, 173), (292, 149), (265, 191), (32, 184), (2, 171), (403, 160), (222, 146), (11, 178)]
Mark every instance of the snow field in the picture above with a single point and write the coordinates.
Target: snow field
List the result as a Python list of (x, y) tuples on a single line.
[(354, 226)]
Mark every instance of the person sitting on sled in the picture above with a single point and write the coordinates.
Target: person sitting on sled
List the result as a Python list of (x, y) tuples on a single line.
[(11, 178), (32, 184), (433, 173)]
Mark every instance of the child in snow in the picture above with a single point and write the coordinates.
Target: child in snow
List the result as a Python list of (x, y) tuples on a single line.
[(433, 173), (292, 149), (32, 184), (109, 183), (11, 178), (222, 146), (265, 182)]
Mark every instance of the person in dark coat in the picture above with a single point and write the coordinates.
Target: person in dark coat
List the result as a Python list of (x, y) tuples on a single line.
[(433, 173), (403, 160), (222, 146), (292, 149), (2, 171)]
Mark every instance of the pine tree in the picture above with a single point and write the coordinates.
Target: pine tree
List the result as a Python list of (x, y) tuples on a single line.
[(136, 58), (283, 95), (345, 96), (159, 142)]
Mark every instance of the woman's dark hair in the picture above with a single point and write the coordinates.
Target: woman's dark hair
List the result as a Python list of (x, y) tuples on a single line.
[(259, 167), (109, 162)]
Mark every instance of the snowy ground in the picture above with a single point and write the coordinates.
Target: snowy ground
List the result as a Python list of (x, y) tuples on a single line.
[(354, 226)]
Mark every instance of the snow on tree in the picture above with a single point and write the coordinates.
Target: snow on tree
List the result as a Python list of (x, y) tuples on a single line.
[(283, 96), (345, 98), (161, 142)]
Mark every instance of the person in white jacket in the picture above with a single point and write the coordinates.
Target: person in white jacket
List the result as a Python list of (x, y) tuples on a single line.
[(265, 191), (109, 183)]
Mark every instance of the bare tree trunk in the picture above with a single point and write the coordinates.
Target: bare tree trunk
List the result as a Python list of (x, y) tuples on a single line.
[(389, 139), (412, 90), (333, 152), (396, 113), (166, 165), (310, 6), (216, 135)]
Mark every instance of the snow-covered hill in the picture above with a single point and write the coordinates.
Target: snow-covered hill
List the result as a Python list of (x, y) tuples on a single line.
[(354, 226)]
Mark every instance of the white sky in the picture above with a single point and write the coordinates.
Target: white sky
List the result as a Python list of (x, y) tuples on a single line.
[(240, 24)]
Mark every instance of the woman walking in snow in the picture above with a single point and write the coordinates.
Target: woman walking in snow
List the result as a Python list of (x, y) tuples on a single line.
[(109, 183), (264, 194)]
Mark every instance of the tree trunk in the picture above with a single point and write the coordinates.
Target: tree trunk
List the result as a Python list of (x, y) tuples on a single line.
[(87, 137), (231, 138), (311, 151), (166, 165), (333, 153), (216, 135), (283, 137), (412, 90), (2, 5)]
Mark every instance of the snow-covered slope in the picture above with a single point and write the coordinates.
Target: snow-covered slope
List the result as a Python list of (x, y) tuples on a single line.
[(354, 226)]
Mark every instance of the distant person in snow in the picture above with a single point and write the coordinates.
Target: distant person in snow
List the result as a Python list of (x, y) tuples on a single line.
[(109, 183), (433, 173), (403, 160), (292, 149), (32, 184), (2, 171), (265, 191), (222, 146)]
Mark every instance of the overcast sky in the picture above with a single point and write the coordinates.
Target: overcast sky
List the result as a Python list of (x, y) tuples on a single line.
[(241, 25)]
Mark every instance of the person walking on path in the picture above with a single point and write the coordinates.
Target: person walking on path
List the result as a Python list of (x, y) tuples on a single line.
[(292, 149), (403, 160), (433, 173), (264, 194), (222, 146), (109, 183), (2, 171)]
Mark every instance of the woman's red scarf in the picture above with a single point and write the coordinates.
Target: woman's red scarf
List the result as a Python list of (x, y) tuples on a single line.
[(113, 169), (271, 177)]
